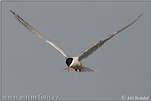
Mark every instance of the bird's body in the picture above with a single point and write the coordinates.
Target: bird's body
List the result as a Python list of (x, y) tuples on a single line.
[(73, 62), (76, 62)]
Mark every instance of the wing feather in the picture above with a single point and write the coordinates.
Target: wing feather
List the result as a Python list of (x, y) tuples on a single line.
[(98, 44), (31, 29)]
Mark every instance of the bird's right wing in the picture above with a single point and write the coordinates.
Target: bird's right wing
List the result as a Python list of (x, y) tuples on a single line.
[(98, 44), (31, 29)]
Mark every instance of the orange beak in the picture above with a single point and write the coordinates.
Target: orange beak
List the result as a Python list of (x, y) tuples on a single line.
[(68, 68)]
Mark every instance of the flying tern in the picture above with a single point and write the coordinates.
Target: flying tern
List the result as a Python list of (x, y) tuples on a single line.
[(72, 62)]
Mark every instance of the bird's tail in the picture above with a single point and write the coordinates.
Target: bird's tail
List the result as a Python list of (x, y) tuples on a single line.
[(84, 69)]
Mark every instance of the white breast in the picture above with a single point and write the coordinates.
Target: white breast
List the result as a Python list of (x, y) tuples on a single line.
[(75, 62)]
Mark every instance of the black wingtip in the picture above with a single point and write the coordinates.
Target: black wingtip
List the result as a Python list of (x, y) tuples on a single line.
[(140, 15), (12, 12)]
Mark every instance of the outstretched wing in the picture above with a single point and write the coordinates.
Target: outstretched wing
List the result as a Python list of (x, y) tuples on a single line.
[(98, 44), (31, 29)]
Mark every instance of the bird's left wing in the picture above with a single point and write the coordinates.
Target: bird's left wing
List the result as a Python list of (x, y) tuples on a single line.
[(31, 29), (98, 44)]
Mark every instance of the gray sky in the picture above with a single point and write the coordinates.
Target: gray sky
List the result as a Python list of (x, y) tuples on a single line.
[(31, 67)]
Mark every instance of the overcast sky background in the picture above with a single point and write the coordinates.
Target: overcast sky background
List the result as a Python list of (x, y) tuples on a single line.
[(31, 67)]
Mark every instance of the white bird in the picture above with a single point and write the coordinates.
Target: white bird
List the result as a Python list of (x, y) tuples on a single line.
[(72, 62)]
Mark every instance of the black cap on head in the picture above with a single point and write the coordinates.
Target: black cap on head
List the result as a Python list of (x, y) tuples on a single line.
[(69, 61)]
